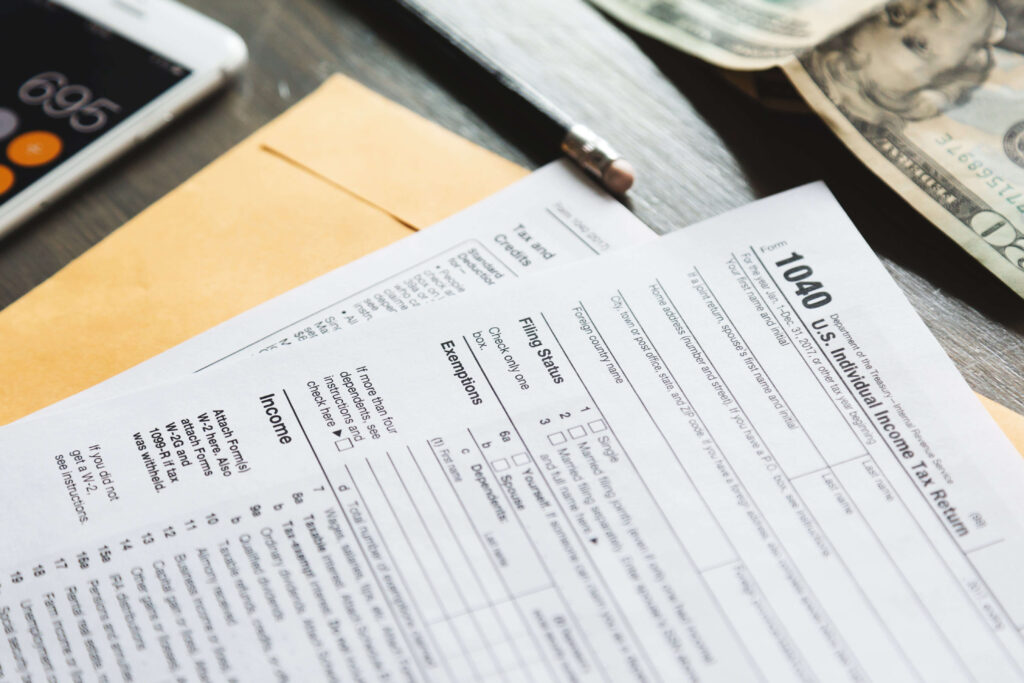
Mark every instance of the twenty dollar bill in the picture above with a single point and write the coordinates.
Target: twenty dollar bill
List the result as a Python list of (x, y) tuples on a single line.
[(930, 95)]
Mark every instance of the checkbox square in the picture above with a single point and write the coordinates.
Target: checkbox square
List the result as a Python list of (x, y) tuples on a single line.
[(499, 465), (556, 438), (577, 432), (597, 426), (520, 459), (343, 444)]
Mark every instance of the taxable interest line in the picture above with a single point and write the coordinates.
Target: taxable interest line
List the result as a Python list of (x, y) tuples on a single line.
[(394, 565), (430, 583), (355, 536)]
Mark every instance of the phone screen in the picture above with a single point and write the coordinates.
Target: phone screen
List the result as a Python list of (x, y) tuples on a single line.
[(64, 82)]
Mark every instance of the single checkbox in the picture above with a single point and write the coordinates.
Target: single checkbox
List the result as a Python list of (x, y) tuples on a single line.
[(499, 465), (521, 459), (556, 438), (577, 432), (597, 426), (343, 444)]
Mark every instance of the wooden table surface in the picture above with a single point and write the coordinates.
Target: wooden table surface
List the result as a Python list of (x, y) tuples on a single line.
[(701, 147)]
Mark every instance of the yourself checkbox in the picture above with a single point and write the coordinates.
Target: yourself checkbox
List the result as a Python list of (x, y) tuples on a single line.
[(343, 444), (520, 459), (577, 432), (597, 426), (499, 465), (556, 438)]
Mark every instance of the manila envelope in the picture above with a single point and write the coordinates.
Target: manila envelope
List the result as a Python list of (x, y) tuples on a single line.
[(342, 173)]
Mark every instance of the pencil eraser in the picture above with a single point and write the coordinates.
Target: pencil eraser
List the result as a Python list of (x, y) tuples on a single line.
[(619, 176)]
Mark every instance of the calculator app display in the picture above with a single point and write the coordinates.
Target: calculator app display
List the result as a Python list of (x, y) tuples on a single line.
[(64, 82)]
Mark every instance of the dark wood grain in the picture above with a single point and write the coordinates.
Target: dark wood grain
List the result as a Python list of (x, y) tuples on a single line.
[(701, 146)]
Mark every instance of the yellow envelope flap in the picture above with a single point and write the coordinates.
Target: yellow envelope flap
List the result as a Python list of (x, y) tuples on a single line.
[(245, 229), (412, 168)]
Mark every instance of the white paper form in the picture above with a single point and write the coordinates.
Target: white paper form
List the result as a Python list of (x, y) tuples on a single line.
[(554, 216), (732, 454)]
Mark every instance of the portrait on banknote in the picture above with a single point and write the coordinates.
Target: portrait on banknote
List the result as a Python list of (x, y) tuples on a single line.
[(912, 61), (930, 94)]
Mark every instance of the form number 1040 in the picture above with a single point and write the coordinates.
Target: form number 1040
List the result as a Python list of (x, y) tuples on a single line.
[(811, 292)]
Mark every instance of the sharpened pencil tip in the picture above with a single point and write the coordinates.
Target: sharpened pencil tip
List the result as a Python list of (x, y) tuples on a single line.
[(619, 176)]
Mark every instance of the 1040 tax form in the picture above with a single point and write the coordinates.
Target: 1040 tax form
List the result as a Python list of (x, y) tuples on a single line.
[(733, 453)]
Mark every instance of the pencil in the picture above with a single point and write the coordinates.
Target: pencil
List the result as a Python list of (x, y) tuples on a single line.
[(578, 142)]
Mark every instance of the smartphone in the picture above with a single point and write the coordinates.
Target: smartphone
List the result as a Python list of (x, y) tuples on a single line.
[(82, 81)]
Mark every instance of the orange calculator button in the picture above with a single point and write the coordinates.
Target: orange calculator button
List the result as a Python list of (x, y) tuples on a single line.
[(36, 148), (6, 180)]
